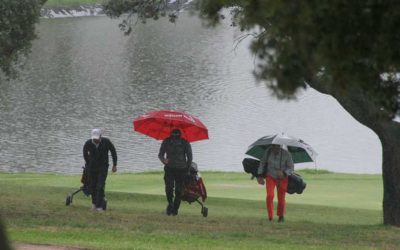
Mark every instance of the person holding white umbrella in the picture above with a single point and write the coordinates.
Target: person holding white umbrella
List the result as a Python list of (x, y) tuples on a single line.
[(275, 167)]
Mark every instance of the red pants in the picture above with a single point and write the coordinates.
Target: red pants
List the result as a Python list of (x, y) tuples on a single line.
[(281, 185)]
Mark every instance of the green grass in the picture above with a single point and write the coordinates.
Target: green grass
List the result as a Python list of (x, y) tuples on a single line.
[(336, 211), (71, 3)]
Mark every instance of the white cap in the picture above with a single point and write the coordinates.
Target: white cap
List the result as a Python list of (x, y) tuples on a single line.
[(96, 133)]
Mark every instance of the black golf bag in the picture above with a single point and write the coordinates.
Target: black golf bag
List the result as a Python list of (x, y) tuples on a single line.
[(85, 188), (250, 166), (296, 184)]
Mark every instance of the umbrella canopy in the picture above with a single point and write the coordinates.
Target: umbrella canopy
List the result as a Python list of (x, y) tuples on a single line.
[(159, 124), (300, 151)]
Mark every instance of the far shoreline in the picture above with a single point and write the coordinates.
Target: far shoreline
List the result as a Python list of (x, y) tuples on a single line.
[(72, 11), (85, 8), (307, 171)]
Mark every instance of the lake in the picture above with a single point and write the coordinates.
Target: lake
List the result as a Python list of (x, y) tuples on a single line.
[(84, 73)]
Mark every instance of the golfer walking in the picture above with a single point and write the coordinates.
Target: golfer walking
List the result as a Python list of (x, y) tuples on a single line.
[(95, 153), (275, 167), (178, 158)]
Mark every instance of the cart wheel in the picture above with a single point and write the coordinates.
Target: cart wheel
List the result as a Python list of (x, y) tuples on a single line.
[(68, 200), (204, 211), (105, 204)]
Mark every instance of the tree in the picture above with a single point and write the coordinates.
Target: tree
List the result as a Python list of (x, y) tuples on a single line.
[(347, 49), (17, 30), (142, 10)]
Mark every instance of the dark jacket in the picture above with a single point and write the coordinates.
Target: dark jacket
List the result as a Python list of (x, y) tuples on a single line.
[(179, 153), (96, 158)]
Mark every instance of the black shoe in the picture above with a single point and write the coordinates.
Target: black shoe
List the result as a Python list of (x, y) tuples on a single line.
[(170, 209), (174, 212), (281, 219)]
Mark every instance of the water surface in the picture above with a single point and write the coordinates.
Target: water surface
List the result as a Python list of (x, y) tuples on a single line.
[(84, 73)]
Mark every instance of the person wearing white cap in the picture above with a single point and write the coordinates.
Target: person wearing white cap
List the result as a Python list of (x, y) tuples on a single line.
[(95, 153)]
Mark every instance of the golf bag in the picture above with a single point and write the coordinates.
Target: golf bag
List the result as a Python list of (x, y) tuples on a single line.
[(85, 188), (250, 166), (296, 184), (194, 189)]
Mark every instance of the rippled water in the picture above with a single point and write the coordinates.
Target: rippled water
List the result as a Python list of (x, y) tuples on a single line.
[(83, 73)]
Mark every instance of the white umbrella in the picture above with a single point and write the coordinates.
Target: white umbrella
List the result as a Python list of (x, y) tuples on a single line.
[(300, 151)]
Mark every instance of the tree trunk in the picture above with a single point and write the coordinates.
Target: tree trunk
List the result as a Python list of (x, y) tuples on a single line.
[(360, 106), (363, 110), (389, 135), (390, 138)]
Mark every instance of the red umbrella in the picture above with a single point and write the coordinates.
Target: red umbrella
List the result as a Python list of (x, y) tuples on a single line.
[(158, 124)]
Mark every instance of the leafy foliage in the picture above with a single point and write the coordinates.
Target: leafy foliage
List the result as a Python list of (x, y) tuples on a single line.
[(17, 30), (334, 46), (17, 20), (347, 49), (142, 10), (339, 44)]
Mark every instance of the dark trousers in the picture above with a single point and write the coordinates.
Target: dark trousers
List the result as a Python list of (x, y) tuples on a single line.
[(97, 185), (174, 179)]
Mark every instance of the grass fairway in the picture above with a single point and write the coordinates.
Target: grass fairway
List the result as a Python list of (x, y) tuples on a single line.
[(336, 211)]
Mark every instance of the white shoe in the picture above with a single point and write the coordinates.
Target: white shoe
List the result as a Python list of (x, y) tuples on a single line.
[(99, 209)]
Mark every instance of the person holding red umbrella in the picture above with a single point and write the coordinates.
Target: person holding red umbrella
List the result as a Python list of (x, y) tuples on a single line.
[(159, 124), (176, 129), (178, 158)]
